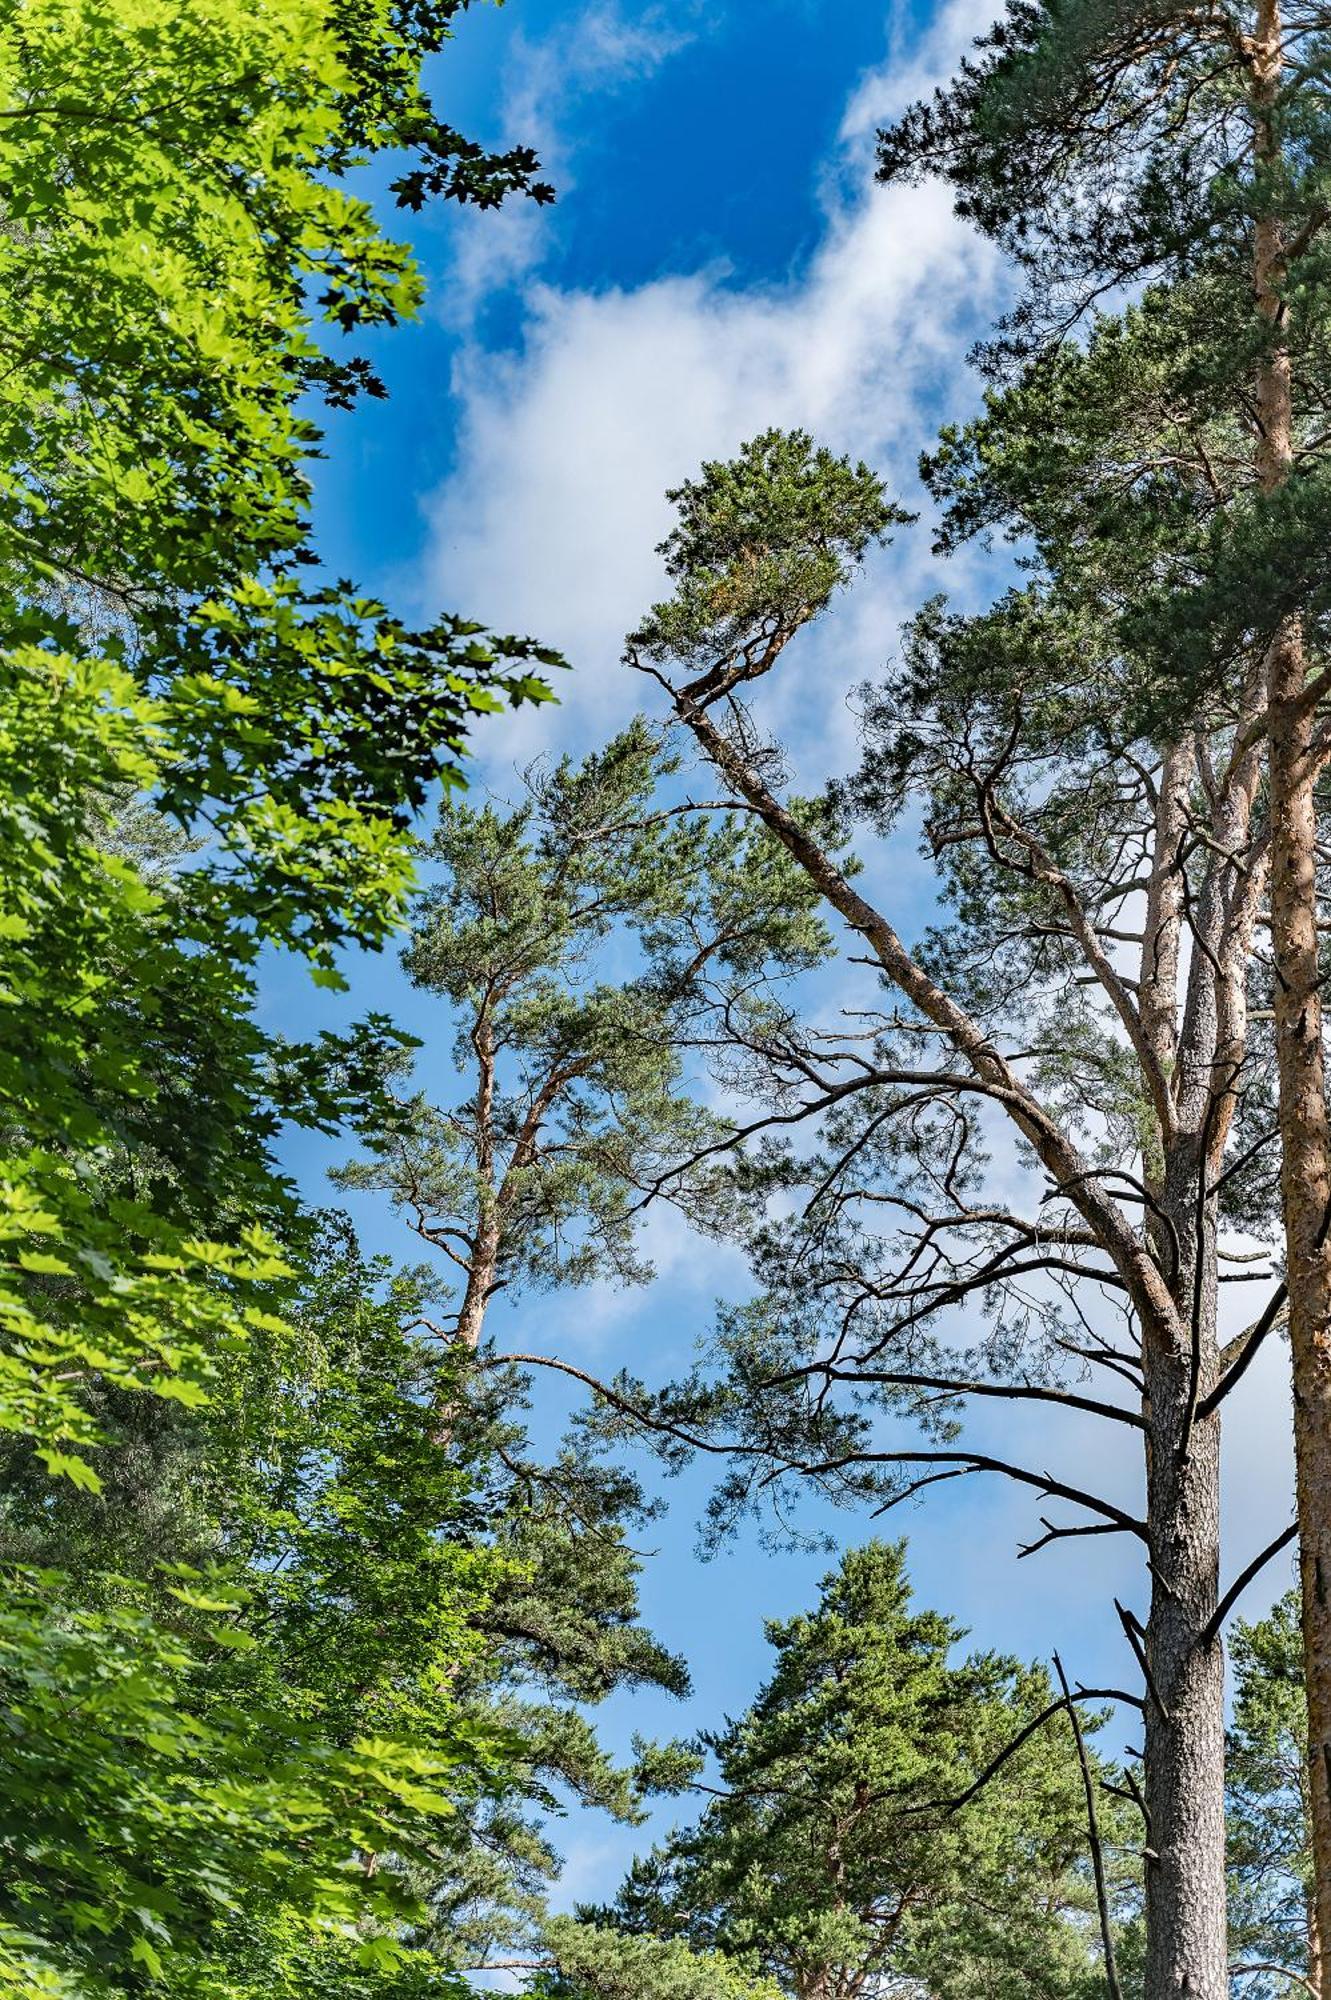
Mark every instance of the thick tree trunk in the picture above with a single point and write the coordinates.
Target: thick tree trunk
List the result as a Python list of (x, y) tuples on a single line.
[(1305, 1133), (1185, 1745), (1186, 1917), (480, 1284), (1305, 1128)]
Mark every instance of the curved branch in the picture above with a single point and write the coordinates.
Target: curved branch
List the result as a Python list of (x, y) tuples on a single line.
[(1240, 1971), (1210, 1632), (1015, 1391), (1010, 1749), (969, 1461)]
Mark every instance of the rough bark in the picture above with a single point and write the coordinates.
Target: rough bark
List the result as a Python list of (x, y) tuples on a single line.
[(1186, 1930), (1313, 1936), (1184, 1765), (1305, 1127), (1305, 1133), (484, 1260)]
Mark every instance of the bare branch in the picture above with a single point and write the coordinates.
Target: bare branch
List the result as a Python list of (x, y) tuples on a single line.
[(1136, 1637), (1239, 1356), (1211, 1630), (1055, 1149), (1043, 1482), (1093, 1829), (1011, 1391), (1055, 1534)]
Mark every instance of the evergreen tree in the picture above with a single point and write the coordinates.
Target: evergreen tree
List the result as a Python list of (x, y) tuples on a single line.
[(578, 945), (1103, 148), (1273, 1914), (578, 1109), (830, 1859), (598, 1962), (1048, 810)]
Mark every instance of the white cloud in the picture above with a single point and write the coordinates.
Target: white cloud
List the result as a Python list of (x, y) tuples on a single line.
[(549, 519), (914, 65)]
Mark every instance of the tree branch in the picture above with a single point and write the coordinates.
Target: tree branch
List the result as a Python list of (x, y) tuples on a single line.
[(1211, 1630), (1246, 1344), (967, 1461), (1093, 1829), (1015, 1391)]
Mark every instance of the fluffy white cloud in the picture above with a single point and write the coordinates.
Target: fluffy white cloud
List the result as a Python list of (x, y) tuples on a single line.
[(549, 519)]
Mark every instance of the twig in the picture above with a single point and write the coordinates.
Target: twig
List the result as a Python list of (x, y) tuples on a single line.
[(1281, 1972), (1053, 1534)]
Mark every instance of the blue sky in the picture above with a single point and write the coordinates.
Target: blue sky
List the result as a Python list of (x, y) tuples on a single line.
[(718, 260)]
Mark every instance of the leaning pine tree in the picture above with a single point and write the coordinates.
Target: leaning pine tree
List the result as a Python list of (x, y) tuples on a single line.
[(1187, 149), (1091, 989)]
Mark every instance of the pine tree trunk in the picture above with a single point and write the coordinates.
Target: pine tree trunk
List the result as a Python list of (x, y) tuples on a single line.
[(1305, 1128), (1201, 1044), (1185, 1746), (1313, 1936), (1186, 1899), (480, 1283), (1305, 1133)]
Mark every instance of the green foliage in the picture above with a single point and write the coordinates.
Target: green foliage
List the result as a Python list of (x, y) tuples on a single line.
[(156, 267), (763, 541), (595, 1962), (830, 1860), (243, 1759), (1104, 144), (138, 1825), (201, 1770), (1107, 150), (1270, 1861)]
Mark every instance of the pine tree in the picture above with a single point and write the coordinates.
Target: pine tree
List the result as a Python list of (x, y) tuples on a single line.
[(578, 946), (1048, 812), (829, 1858), (1187, 149), (1273, 1913), (579, 1110)]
